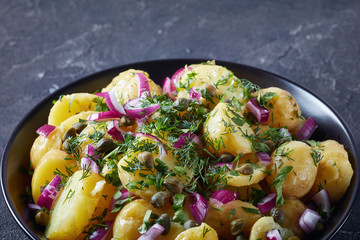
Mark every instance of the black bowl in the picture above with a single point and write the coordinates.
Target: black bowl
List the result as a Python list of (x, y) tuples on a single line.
[(14, 179)]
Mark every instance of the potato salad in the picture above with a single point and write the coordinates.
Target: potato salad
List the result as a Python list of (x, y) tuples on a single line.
[(209, 155)]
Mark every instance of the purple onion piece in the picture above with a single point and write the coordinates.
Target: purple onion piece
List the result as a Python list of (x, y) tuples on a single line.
[(87, 163), (103, 116), (267, 203), (273, 235), (100, 233), (199, 207), (50, 192), (306, 130), (308, 220), (261, 113), (224, 196), (153, 232), (264, 158), (45, 130)]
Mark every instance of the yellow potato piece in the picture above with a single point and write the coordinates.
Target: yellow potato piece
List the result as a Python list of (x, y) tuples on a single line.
[(75, 206), (300, 179), (220, 217), (203, 231), (68, 123), (261, 227), (293, 209), (52, 161), (43, 145), (217, 79), (70, 105), (334, 172), (222, 134), (125, 86), (283, 108)]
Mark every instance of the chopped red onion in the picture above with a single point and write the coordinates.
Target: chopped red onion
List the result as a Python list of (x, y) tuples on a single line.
[(261, 113), (153, 232), (223, 196), (185, 138), (322, 200), (113, 103), (114, 130), (100, 233), (50, 192), (307, 129), (178, 74), (169, 87), (273, 235), (87, 163), (308, 220), (33, 206), (162, 149), (267, 203), (45, 130), (101, 94), (222, 164), (134, 110), (195, 94), (91, 152), (104, 116), (199, 207), (124, 195), (264, 158), (143, 84)]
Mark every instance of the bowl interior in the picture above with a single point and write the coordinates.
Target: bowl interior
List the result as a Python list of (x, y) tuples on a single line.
[(15, 162)]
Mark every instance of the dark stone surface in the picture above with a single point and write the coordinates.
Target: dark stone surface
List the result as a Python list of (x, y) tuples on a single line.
[(45, 45)]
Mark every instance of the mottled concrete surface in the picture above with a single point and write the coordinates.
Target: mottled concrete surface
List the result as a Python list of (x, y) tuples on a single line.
[(45, 45)]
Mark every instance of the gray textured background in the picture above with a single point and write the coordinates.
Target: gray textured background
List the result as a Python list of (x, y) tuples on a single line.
[(45, 45)]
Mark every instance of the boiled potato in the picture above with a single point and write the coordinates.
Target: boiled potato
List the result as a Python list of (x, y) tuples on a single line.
[(293, 209), (51, 162), (222, 134), (203, 231), (218, 81), (125, 86), (75, 206), (334, 172), (283, 108), (302, 176), (68, 123), (266, 224), (241, 180), (220, 216), (42, 145), (69, 105)]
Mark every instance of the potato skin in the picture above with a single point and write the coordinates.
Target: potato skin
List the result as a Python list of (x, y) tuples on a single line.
[(219, 125), (218, 217), (334, 171), (298, 155), (283, 108), (197, 233)]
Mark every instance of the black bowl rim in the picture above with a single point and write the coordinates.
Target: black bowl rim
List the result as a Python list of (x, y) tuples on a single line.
[(3, 164)]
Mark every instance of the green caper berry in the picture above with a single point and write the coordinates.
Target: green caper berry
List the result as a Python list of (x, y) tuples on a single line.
[(105, 145), (240, 237), (70, 133), (181, 104), (227, 157), (173, 184), (278, 215), (41, 218), (66, 147), (165, 221), (190, 224), (79, 127), (126, 121), (237, 226), (245, 169), (270, 144), (147, 159), (158, 200)]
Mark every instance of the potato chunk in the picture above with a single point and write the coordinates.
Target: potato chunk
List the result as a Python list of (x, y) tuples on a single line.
[(75, 206), (334, 172), (293, 208), (69, 105), (125, 86), (266, 224), (302, 176), (203, 231), (227, 131)]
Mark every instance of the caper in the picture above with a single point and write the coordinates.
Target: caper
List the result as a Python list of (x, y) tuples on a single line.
[(70, 133), (190, 224), (211, 88), (146, 159), (227, 157), (42, 218), (227, 101), (181, 104), (240, 237), (126, 121), (319, 226), (270, 144), (66, 147), (237, 226), (79, 127), (165, 222), (173, 184), (105, 145), (278, 215), (245, 169), (158, 199)]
